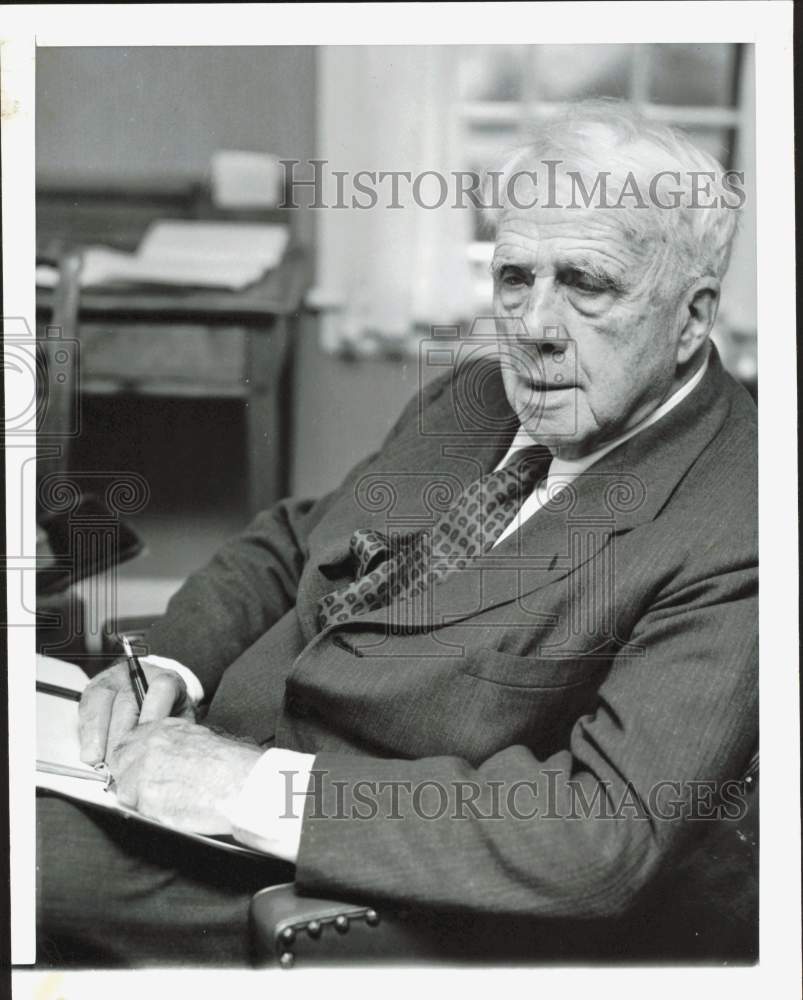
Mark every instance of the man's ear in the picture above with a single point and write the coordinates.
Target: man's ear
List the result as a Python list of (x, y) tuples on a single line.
[(699, 310)]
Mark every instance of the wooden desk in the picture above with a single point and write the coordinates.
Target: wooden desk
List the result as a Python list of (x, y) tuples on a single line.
[(184, 342)]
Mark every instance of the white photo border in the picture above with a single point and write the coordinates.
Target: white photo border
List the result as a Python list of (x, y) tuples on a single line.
[(769, 27)]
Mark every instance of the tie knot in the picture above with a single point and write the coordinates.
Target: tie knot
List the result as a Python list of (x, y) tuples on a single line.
[(530, 464)]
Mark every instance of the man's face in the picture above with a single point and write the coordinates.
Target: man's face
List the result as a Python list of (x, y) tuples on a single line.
[(602, 352)]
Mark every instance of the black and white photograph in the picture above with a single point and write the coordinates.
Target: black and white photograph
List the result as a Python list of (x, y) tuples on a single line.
[(383, 473)]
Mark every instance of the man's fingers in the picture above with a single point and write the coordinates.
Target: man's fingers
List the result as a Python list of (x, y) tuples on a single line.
[(108, 709), (123, 763), (188, 712), (163, 692), (125, 716), (94, 716)]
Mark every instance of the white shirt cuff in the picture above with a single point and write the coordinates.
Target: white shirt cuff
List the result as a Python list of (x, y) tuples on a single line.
[(195, 691), (268, 813)]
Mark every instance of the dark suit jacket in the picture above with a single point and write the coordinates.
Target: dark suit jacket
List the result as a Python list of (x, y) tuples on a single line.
[(607, 647)]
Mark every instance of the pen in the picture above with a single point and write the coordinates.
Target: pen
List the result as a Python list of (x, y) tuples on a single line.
[(58, 690), (135, 672)]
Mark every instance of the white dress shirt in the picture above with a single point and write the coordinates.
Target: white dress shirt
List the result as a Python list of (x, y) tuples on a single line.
[(268, 812)]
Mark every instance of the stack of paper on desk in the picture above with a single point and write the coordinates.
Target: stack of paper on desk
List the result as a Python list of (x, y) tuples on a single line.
[(185, 253), (59, 767)]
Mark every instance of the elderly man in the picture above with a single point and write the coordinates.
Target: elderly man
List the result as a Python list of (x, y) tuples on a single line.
[(510, 664)]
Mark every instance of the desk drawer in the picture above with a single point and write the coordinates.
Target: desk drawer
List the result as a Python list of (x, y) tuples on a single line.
[(179, 358)]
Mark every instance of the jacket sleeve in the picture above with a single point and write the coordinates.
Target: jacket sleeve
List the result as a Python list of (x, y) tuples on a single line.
[(581, 833)]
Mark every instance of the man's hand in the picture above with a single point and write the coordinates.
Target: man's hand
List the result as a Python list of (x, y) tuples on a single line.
[(181, 774), (108, 708)]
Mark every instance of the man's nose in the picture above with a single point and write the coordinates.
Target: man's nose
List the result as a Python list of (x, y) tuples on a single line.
[(548, 347), (542, 317)]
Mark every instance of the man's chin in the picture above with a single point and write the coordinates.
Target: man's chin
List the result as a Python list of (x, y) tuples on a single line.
[(562, 437), (552, 418), (551, 432)]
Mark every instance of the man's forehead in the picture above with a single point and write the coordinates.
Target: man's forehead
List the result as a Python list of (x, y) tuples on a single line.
[(585, 228)]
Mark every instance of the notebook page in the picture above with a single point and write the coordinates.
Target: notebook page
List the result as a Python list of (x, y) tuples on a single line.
[(57, 742)]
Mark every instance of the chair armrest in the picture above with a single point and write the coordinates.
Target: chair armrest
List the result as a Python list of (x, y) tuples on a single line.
[(284, 924), (287, 928)]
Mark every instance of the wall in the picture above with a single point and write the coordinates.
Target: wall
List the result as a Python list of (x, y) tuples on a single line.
[(158, 112), (342, 410), (739, 303)]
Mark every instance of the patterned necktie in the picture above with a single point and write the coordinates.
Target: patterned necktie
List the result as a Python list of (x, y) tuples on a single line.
[(406, 566)]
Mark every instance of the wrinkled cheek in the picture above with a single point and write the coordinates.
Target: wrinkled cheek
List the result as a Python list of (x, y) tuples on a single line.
[(606, 359), (595, 343), (618, 326)]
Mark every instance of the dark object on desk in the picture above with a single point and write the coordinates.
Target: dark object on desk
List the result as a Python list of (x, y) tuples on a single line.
[(57, 566), (79, 536)]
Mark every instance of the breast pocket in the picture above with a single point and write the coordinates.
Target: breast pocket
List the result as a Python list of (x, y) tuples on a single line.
[(533, 672)]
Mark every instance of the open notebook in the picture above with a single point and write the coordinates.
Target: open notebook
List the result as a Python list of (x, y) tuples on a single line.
[(59, 767)]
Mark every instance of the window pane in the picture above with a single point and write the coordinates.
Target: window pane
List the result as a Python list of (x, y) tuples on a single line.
[(478, 165), (484, 132), (488, 144), (716, 141), (693, 74), (481, 228), (490, 73), (565, 72)]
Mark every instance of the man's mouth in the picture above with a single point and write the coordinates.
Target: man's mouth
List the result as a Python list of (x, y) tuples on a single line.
[(554, 386)]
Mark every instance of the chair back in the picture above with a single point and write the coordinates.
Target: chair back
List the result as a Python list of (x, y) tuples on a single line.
[(58, 370)]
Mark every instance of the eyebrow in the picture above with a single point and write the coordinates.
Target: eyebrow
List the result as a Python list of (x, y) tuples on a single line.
[(507, 258), (588, 264), (571, 260)]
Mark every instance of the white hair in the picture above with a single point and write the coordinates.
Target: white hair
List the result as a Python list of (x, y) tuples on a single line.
[(606, 136)]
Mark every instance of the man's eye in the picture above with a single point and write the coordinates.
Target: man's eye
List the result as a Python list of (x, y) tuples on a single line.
[(583, 282), (512, 279)]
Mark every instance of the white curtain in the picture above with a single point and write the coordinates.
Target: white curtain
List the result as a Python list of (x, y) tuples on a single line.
[(390, 108)]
